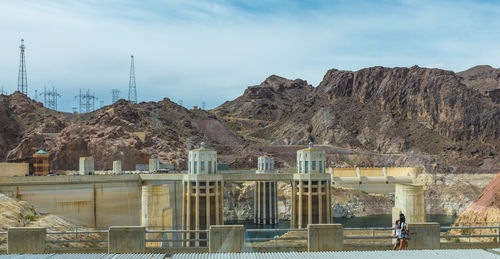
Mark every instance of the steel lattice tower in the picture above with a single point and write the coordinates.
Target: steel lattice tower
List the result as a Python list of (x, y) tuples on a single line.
[(132, 90), (50, 98), (116, 95), (22, 80), (87, 101)]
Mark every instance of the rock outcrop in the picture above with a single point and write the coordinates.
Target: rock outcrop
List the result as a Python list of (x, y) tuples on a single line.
[(485, 210)]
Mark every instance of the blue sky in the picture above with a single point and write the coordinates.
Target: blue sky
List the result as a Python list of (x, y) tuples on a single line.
[(210, 51)]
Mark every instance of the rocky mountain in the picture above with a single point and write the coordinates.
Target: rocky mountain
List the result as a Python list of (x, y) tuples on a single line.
[(484, 79), (415, 116), (372, 117), (125, 130)]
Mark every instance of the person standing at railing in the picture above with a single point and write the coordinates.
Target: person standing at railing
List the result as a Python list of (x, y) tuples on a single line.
[(397, 234), (405, 234)]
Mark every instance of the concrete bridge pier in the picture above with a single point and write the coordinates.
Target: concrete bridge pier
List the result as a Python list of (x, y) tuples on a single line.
[(156, 213), (409, 200)]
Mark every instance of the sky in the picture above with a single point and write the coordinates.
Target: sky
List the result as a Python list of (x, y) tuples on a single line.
[(211, 51)]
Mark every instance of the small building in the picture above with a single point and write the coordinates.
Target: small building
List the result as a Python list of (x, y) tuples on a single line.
[(87, 166), (41, 163), (265, 164), (311, 160), (202, 160)]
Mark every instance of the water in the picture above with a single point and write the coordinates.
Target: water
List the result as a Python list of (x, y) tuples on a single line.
[(358, 222)]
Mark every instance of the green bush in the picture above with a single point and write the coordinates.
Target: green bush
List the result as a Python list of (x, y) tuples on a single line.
[(466, 232), (29, 217), (457, 240)]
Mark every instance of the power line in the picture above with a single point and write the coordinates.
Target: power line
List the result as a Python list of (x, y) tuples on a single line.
[(87, 101), (116, 95), (132, 90), (22, 79)]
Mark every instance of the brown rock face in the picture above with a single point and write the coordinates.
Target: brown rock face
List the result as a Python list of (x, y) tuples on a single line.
[(264, 103), (427, 115), (485, 210), (484, 79), (110, 133)]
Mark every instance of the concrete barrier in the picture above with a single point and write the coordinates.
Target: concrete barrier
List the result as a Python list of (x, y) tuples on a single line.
[(424, 236), (22, 240), (126, 240), (325, 237), (226, 239)]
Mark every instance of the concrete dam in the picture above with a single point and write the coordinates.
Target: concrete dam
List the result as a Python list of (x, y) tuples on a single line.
[(101, 201)]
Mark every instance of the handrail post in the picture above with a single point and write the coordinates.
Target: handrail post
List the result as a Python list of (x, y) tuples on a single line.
[(226, 239), (26, 240), (126, 240), (325, 237), (424, 235)]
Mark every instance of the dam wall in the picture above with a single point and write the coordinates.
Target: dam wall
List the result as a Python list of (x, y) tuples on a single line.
[(90, 201)]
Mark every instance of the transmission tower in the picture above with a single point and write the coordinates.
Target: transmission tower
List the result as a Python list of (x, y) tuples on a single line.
[(116, 95), (36, 96), (181, 102), (22, 80), (132, 90), (2, 91), (50, 98), (74, 109), (203, 105), (101, 103), (87, 101)]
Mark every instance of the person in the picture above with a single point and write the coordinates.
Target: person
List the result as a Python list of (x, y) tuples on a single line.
[(397, 234), (405, 234)]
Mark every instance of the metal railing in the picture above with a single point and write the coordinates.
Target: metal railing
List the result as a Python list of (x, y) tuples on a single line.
[(181, 240), (77, 239), (273, 230), (467, 232)]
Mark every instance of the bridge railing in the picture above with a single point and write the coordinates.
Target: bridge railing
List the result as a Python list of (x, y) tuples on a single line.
[(176, 238), (316, 237), (68, 240)]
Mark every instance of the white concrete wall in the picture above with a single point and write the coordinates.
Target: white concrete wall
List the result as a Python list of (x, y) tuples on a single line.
[(14, 169)]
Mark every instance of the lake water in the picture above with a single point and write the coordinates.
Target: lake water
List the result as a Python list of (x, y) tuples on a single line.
[(359, 222)]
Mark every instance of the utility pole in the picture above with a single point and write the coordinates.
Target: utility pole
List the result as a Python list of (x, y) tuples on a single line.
[(132, 90), (87, 101), (116, 95), (22, 79)]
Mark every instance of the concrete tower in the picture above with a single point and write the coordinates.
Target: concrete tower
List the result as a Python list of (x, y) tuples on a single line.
[(266, 195), (311, 189), (202, 194)]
